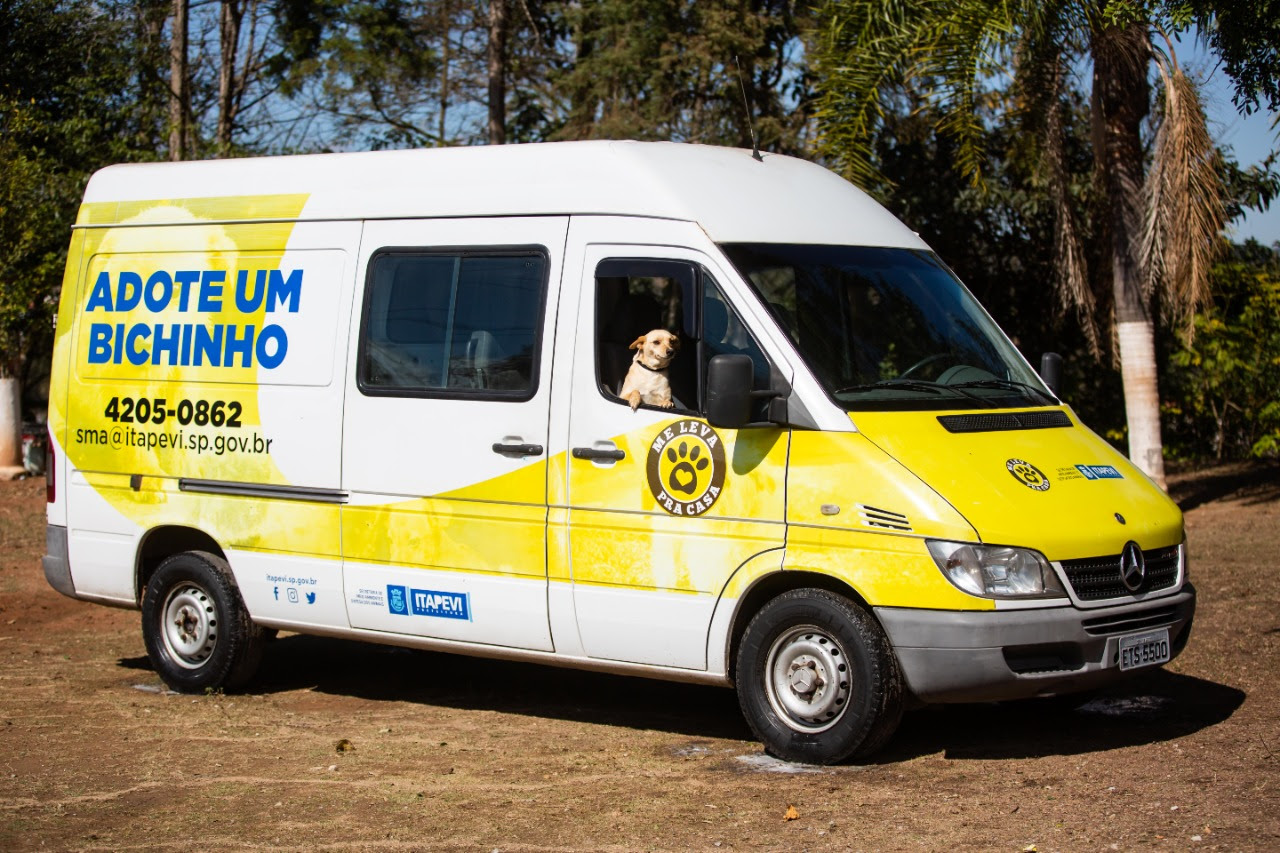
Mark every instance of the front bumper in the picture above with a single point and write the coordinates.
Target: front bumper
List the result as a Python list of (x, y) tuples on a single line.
[(967, 656)]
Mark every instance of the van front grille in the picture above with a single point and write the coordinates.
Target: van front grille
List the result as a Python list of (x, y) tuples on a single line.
[(1129, 622), (1098, 578)]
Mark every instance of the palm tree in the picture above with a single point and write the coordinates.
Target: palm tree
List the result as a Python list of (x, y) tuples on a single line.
[(1162, 215)]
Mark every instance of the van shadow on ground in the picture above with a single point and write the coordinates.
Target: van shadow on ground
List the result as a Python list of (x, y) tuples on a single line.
[(1255, 482), (1156, 707)]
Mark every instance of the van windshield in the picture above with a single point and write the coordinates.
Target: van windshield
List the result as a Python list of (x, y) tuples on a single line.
[(886, 328)]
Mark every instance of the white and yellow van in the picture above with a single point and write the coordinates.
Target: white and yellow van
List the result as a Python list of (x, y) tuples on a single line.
[(376, 396)]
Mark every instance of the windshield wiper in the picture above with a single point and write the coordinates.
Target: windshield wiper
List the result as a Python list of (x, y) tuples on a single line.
[(897, 384), (1007, 384)]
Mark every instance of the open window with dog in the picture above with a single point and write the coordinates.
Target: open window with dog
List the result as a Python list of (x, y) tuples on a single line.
[(658, 324)]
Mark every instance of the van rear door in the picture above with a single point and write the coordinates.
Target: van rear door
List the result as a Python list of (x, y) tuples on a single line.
[(445, 436)]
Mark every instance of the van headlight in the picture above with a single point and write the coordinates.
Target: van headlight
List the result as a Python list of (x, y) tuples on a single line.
[(996, 571)]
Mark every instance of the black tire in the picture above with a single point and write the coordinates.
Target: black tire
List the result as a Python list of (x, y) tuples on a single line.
[(817, 679), (198, 633)]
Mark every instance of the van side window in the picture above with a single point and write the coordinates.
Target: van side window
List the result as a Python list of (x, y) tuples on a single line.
[(724, 333), (635, 296), (452, 323)]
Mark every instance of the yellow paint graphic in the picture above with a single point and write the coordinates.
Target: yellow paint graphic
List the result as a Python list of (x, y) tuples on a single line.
[(497, 526), (166, 420), (212, 209), (620, 534), (1026, 488), (859, 515)]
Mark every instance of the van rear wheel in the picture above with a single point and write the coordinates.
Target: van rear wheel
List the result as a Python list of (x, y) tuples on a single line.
[(817, 680), (197, 632)]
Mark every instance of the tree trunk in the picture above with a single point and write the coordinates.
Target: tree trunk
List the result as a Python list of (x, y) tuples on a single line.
[(10, 423), (1121, 95), (446, 36), (229, 41), (497, 72), (179, 85)]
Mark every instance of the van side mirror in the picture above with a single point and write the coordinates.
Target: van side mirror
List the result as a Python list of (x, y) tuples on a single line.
[(1051, 372), (729, 392), (729, 379)]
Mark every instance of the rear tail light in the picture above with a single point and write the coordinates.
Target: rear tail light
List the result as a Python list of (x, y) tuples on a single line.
[(50, 483)]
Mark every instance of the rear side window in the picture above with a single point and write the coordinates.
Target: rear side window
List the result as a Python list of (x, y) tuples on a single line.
[(452, 323)]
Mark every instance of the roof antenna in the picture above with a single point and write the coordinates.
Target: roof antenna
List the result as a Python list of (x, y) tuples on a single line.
[(755, 149)]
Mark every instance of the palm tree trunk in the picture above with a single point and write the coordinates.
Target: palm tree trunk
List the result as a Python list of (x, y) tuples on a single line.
[(1121, 94)]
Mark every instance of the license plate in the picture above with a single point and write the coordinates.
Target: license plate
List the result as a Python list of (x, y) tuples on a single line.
[(1147, 649)]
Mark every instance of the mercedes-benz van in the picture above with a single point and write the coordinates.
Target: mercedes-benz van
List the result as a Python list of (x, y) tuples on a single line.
[(376, 396)]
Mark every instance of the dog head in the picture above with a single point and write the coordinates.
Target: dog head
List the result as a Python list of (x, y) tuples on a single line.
[(656, 349)]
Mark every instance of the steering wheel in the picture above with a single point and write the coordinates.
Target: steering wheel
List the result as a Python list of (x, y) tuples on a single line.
[(928, 359)]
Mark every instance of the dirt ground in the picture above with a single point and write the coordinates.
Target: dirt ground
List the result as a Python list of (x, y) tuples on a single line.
[(452, 753)]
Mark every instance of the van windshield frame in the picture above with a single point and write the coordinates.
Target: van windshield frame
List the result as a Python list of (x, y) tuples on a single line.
[(888, 329)]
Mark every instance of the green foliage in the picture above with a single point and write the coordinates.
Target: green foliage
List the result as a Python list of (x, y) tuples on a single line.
[(665, 69), (867, 49), (1223, 388), (1247, 37), (379, 65), (1255, 187), (66, 108), (909, 92)]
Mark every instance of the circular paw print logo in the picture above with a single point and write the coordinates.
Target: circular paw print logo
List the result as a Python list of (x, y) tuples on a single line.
[(1027, 474), (686, 467)]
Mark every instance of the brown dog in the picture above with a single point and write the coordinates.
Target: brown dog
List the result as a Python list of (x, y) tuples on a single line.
[(647, 378)]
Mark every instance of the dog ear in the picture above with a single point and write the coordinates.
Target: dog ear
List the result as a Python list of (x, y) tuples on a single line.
[(637, 343), (675, 341)]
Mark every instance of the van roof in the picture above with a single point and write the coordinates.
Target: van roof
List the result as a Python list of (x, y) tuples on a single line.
[(732, 196)]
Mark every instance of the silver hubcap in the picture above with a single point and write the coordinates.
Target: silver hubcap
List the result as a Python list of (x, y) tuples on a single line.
[(807, 679), (190, 626)]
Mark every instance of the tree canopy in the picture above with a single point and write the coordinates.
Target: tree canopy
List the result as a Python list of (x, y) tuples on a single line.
[(1087, 160)]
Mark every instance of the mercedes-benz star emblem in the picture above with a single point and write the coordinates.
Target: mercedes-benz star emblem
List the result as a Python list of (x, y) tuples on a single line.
[(1133, 567)]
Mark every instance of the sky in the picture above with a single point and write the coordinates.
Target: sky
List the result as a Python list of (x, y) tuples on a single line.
[(1250, 138)]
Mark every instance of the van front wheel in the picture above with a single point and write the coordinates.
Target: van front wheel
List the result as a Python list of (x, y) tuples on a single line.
[(817, 679), (197, 632)]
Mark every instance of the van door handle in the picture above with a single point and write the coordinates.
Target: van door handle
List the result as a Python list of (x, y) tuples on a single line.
[(595, 453), (517, 449)]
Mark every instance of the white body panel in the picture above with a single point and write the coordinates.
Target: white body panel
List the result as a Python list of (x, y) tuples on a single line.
[(101, 543), (302, 591), (304, 413), (496, 610), (411, 456), (723, 190)]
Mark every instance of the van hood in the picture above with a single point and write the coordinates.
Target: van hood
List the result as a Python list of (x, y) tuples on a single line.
[(1061, 490)]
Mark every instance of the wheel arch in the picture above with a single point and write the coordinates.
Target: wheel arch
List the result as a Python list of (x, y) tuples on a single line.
[(770, 586), (159, 543)]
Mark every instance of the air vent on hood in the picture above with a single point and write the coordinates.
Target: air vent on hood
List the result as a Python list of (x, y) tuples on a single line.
[(872, 517), (1005, 421)]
